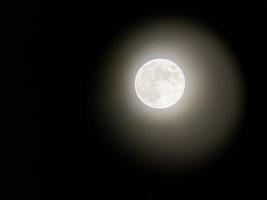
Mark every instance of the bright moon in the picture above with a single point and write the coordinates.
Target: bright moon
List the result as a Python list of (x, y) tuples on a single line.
[(159, 83)]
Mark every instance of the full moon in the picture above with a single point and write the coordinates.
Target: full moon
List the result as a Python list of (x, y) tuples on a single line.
[(159, 83)]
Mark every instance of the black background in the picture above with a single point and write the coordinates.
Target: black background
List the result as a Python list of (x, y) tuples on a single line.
[(56, 148)]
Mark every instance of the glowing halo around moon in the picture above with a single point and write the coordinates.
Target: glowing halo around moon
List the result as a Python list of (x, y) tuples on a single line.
[(171, 94), (159, 83)]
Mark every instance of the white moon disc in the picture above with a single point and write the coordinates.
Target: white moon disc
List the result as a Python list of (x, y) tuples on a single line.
[(159, 83)]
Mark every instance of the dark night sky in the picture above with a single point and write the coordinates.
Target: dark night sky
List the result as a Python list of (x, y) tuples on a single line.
[(59, 150)]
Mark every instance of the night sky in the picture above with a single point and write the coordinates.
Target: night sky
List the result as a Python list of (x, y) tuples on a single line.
[(57, 147)]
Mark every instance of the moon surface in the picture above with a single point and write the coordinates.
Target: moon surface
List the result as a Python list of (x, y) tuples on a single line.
[(159, 83)]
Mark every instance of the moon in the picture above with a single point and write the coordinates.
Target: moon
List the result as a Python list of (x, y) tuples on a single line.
[(159, 83)]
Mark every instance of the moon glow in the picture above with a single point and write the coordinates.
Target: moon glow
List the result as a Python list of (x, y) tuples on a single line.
[(156, 120), (159, 83)]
